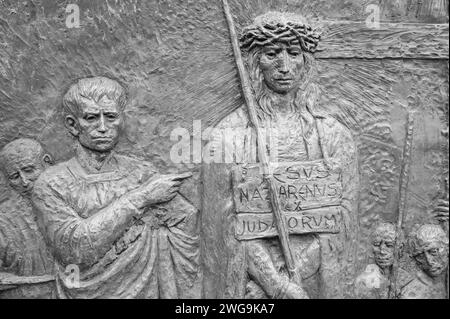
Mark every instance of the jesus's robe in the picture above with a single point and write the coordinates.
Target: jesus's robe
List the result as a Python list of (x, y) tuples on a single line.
[(256, 268)]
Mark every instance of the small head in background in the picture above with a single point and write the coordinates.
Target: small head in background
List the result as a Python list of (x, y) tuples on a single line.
[(22, 161), (429, 249), (383, 244)]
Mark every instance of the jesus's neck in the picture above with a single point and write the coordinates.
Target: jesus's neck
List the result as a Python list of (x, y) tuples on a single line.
[(283, 103)]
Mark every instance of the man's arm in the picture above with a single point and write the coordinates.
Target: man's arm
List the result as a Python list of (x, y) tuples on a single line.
[(10, 281), (83, 241), (76, 240)]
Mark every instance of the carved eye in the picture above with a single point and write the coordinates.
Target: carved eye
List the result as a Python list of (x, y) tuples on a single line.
[(14, 176), (91, 117), (28, 169), (294, 52), (434, 252), (111, 116), (376, 243), (271, 54)]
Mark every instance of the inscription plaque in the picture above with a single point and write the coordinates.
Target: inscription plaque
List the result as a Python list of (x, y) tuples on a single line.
[(309, 194), (322, 220)]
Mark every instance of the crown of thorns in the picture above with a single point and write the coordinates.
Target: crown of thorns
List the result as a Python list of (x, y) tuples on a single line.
[(290, 32)]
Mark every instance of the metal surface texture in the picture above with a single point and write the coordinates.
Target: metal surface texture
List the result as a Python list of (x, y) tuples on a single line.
[(284, 149)]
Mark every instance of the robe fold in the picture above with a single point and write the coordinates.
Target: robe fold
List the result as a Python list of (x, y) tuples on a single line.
[(23, 251), (90, 223), (256, 268)]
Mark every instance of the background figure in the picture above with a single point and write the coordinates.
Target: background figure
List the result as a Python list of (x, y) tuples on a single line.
[(124, 226), (429, 250), (24, 257), (374, 282)]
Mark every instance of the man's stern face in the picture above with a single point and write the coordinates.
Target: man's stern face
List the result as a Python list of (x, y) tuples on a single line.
[(99, 125)]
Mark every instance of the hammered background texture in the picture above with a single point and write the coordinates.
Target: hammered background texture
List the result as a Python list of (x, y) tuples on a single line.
[(175, 59)]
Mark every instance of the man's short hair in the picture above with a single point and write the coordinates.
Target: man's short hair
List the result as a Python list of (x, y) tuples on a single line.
[(387, 227), (426, 234), (18, 149), (384, 227), (94, 89)]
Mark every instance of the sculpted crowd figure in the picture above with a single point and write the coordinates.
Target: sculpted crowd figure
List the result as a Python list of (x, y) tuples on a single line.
[(429, 249), (374, 282), (25, 261)]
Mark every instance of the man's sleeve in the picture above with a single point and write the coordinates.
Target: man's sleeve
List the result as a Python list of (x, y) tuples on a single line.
[(77, 240)]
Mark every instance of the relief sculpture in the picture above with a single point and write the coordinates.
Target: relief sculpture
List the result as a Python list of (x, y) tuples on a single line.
[(429, 248), (316, 168), (108, 213), (226, 149), (26, 265), (374, 282)]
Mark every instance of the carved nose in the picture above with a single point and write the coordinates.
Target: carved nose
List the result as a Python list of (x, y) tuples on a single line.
[(283, 68), (284, 63), (429, 258), (284, 71), (25, 180), (102, 126)]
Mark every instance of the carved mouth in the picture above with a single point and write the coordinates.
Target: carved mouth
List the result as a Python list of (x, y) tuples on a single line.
[(284, 80), (103, 139)]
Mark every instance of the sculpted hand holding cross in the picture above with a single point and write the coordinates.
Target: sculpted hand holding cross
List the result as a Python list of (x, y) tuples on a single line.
[(279, 49)]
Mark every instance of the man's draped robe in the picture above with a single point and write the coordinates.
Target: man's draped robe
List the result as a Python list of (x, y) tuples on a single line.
[(23, 251), (372, 283), (256, 268), (153, 256), (422, 286)]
